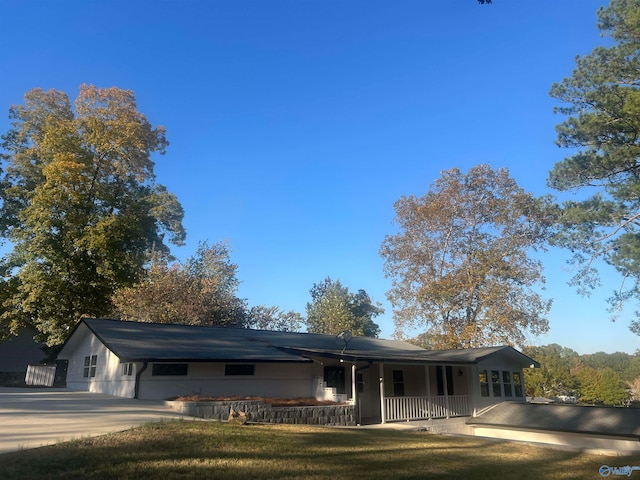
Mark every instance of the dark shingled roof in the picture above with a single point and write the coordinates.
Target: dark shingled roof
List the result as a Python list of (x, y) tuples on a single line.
[(610, 421), (459, 356), (475, 355), (138, 341)]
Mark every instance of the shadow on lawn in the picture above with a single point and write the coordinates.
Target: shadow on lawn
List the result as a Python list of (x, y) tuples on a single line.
[(196, 450)]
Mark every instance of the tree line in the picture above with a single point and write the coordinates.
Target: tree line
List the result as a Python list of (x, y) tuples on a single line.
[(91, 229), (594, 379)]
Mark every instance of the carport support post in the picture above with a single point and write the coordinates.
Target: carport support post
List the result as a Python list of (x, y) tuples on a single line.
[(383, 413)]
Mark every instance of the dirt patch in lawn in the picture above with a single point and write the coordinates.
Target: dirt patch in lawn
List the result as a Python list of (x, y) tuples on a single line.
[(274, 402)]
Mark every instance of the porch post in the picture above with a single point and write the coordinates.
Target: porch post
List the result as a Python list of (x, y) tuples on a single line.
[(426, 377), (353, 383), (382, 407), (446, 389)]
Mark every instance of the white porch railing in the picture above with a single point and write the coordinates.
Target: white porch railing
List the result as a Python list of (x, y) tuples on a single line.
[(420, 408)]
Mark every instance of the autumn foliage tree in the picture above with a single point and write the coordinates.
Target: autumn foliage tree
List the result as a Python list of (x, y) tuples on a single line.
[(201, 291), (460, 264), (80, 206), (274, 318)]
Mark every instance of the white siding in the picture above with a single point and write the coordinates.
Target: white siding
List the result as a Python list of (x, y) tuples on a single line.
[(108, 378), (208, 379)]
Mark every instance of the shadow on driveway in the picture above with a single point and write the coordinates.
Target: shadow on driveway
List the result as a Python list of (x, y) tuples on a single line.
[(31, 418)]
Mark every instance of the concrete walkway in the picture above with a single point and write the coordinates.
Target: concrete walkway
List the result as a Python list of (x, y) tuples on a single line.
[(31, 418)]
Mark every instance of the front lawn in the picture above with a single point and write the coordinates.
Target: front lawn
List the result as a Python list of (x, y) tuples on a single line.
[(211, 450)]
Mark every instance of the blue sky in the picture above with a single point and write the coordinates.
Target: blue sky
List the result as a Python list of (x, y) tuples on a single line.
[(295, 124)]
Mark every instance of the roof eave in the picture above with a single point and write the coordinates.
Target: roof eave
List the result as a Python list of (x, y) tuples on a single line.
[(212, 360)]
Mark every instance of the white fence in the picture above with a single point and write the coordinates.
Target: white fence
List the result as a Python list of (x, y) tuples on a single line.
[(420, 408), (40, 375)]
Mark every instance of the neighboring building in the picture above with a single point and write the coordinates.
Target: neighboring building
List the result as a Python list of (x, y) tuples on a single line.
[(16, 353), (388, 380)]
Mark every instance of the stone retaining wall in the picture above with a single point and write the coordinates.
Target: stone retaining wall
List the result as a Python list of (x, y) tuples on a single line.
[(260, 412)]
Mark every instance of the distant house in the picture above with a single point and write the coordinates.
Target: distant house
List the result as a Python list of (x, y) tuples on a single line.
[(16, 353), (387, 380)]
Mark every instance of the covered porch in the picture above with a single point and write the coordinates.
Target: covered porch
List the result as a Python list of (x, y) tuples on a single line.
[(413, 392), (423, 392), (424, 385)]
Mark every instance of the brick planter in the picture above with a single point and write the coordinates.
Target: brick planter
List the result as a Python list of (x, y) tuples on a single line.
[(260, 412)]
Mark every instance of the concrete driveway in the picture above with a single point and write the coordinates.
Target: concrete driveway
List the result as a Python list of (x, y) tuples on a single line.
[(31, 418)]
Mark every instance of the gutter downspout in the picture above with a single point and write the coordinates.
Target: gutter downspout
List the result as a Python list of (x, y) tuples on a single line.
[(136, 389)]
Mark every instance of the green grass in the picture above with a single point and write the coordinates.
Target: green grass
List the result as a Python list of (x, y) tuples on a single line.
[(208, 450)]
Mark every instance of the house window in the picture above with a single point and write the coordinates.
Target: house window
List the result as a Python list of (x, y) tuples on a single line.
[(126, 369), (495, 383), (398, 383), (484, 383), (506, 383), (359, 383), (169, 369), (90, 366), (239, 369), (517, 383), (334, 378)]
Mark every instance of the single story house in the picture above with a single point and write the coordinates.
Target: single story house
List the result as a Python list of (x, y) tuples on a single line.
[(388, 380)]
